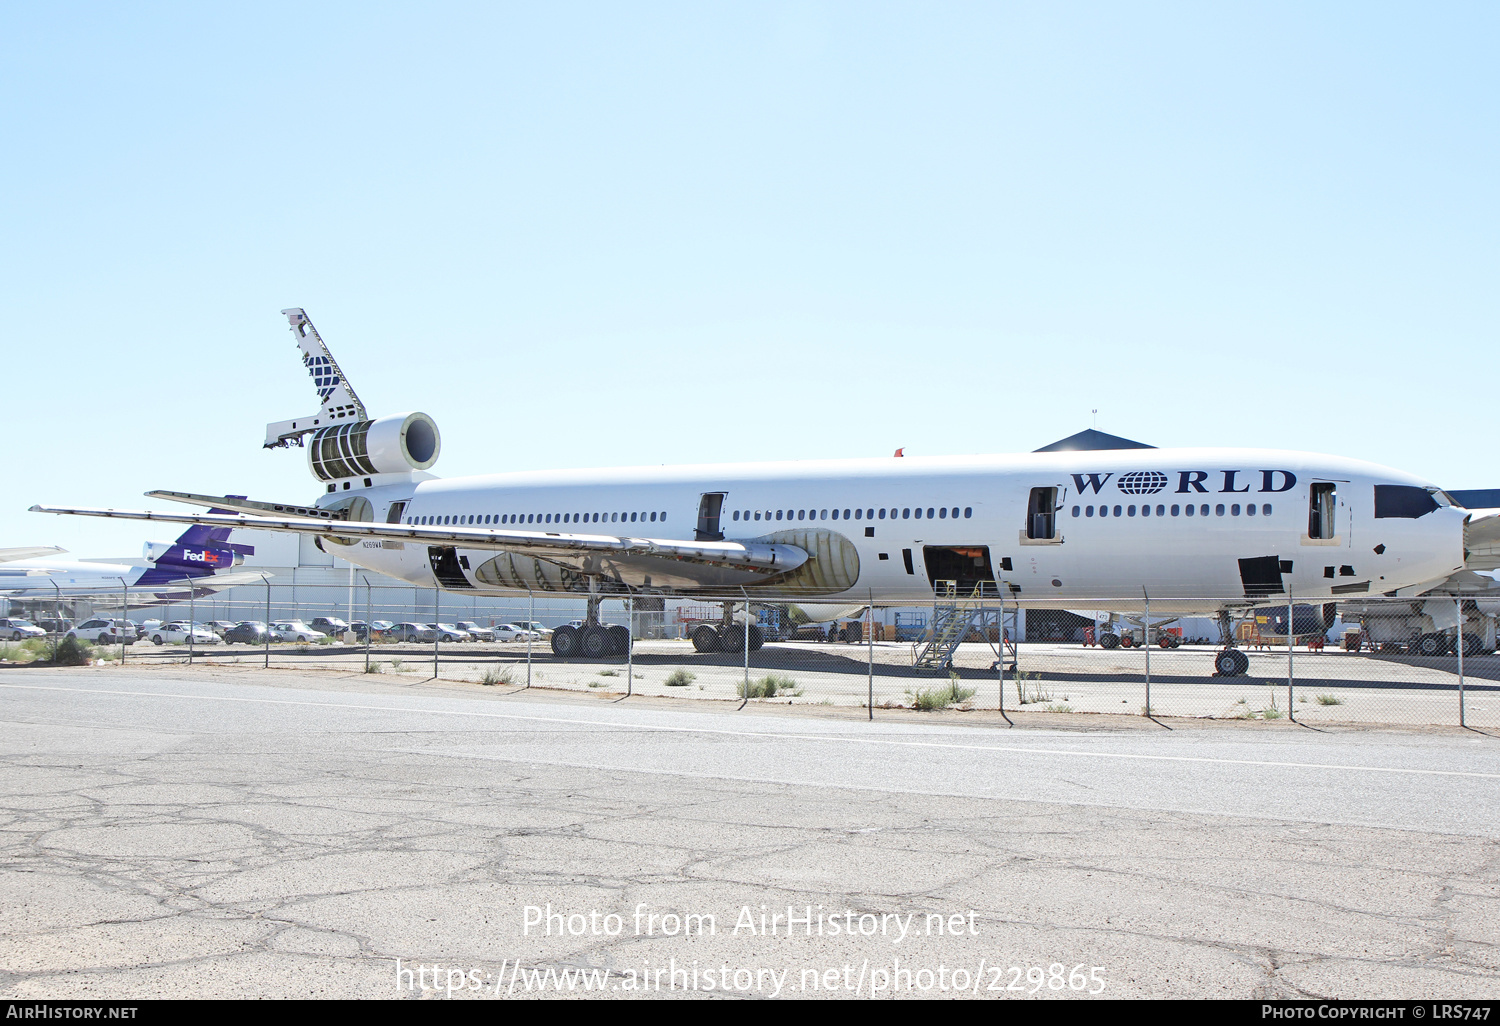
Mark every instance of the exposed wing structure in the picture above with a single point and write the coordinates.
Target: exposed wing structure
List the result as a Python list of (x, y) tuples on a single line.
[(1482, 540), (29, 552), (574, 550)]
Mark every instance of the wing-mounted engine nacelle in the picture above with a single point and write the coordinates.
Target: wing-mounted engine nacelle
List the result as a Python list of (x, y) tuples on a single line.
[(397, 444), (198, 557)]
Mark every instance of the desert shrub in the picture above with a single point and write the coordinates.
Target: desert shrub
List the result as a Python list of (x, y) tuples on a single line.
[(493, 676), (72, 652), (680, 679)]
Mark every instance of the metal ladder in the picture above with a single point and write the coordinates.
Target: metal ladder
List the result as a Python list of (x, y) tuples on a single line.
[(953, 617)]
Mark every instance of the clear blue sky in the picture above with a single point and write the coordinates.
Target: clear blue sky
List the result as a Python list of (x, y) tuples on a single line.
[(608, 234)]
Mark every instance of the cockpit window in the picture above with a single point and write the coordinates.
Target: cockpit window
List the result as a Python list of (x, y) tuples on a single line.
[(1403, 501)]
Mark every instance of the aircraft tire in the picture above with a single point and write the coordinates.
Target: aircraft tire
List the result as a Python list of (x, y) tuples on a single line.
[(595, 642), (757, 637), (1109, 640), (1231, 663), (733, 639), (1472, 645), (565, 641), (705, 638), (1430, 645), (619, 639)]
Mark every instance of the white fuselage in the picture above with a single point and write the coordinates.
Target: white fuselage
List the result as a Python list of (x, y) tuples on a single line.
[(1121, 531), (44, 579)]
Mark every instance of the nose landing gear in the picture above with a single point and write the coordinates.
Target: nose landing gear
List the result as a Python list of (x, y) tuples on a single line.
[(1230, 661)]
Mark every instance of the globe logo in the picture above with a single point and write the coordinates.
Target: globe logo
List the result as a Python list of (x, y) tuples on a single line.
[(1142, 482)]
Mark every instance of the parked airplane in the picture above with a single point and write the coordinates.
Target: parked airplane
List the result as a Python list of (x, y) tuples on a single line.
[(1093, 521), (193, 560)]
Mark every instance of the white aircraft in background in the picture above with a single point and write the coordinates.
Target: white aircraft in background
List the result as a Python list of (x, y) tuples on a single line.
[(1093, 521), (192, 561)]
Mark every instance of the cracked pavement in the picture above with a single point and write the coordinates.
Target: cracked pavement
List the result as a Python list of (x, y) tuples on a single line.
[(174, 832)]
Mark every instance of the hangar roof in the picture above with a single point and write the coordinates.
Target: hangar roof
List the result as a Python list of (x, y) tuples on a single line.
[(1091, 439)]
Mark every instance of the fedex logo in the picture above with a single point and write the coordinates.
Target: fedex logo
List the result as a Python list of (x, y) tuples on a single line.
[(1150, 482), (202, 556)]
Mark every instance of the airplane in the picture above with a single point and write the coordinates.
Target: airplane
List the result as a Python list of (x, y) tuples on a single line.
[(1092, 521), (192, 562)]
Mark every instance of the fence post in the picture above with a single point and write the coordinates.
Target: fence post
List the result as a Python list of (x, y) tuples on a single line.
[(629, 644), (192, 619), (1146, 640), (1459, 641), (1291, 636), (267, 579), (369, 622), (124, 615), (870, 649), (437, 632), (530, 630)]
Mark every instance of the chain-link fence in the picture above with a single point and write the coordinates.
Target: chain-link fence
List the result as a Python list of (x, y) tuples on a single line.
[(1423, 660)]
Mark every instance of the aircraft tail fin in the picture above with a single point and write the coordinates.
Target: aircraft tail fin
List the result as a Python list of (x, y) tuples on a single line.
[(339, 403), (200, 551)]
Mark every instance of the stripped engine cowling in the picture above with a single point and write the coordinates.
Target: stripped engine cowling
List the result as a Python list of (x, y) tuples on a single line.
[(391, 445)]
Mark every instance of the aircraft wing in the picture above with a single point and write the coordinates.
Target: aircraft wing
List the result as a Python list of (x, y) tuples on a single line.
[(29, 552), (567, 549)]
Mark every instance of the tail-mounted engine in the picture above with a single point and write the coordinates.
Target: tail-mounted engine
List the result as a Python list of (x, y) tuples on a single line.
[(390, 445)]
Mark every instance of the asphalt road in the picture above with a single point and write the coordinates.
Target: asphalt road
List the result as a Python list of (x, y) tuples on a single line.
[(236, 832)]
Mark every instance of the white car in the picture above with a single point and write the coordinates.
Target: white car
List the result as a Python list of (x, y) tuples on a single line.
[(511, 632), (450, 632), (294, 630), (13, 629), (533, 625), (477, 632), (104, 632), (178, 634)]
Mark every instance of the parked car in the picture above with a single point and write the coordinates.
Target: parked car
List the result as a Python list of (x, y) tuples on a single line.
[(329, 625), (413, 632), (105, 632), (250, 632), (379, 630), (14, 629), (477, 632), (451, 632), (220, 626), (533, 625), (294, 630), (179, 633), (511, 632), (55, 626)]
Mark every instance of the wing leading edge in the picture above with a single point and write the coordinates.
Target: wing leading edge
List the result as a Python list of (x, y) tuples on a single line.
[(769, 558)]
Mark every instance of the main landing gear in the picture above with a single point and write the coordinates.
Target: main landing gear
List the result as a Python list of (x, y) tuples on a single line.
[(593, 640), (726, 636)]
